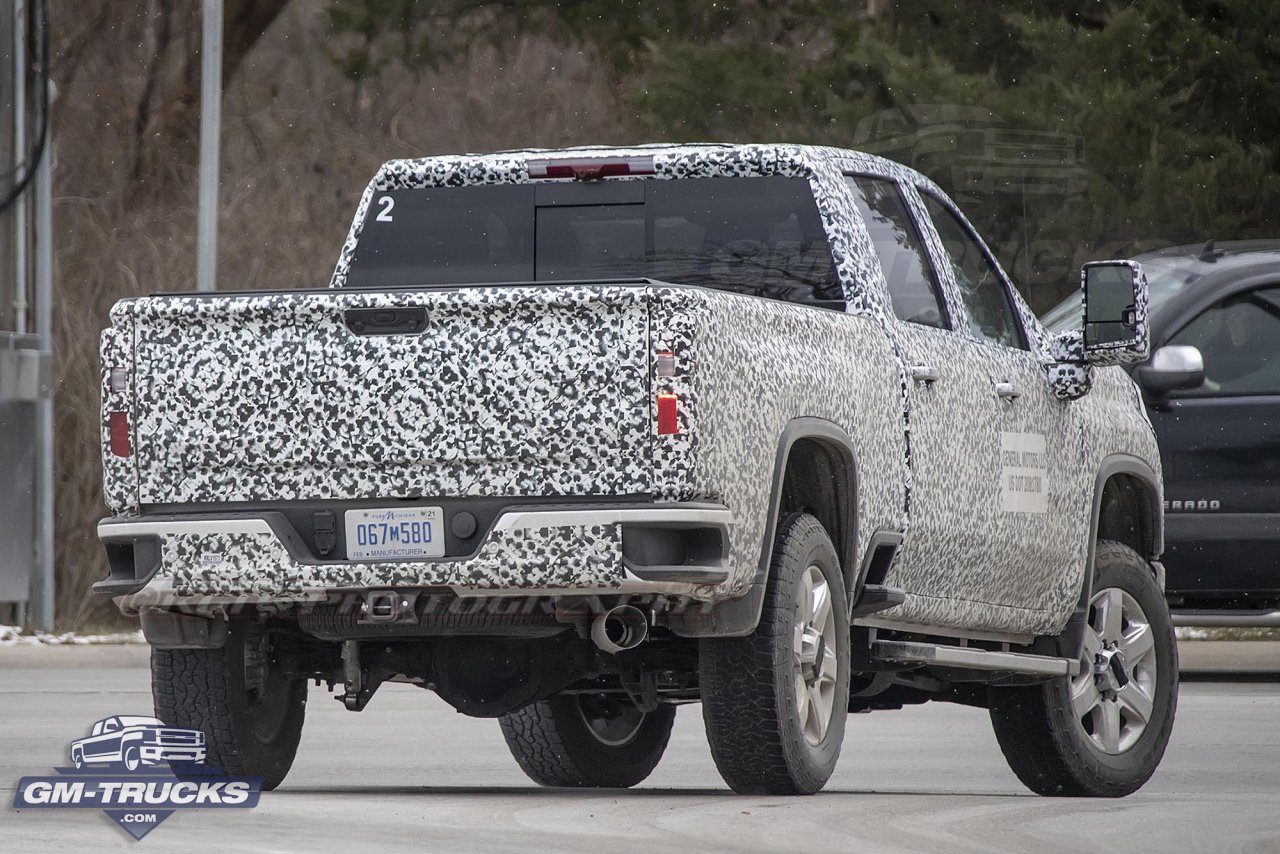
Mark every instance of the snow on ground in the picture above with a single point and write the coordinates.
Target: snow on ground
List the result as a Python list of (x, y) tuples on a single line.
[(14, 636)]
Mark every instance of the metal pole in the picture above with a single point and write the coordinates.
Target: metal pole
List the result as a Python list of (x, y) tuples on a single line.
[(210, 127), (42, 587), (19, 155)]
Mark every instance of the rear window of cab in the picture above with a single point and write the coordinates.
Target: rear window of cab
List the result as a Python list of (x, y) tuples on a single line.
[(760, 236)]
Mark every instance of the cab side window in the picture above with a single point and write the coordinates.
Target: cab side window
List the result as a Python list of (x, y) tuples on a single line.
[(987, 302), (913, 287), (1239, 339)]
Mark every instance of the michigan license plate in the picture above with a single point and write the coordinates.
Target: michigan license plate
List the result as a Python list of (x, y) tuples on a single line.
[(396, 533)]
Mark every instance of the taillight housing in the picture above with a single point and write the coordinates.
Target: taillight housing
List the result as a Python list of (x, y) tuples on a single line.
[(118, 434)]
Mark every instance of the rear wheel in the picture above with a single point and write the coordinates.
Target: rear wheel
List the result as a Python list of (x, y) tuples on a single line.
[(587, 740), (775, 702), (248, 705), (1102, 732)]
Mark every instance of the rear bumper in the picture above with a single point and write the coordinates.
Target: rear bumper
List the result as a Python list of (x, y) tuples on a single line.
[(528, 550)]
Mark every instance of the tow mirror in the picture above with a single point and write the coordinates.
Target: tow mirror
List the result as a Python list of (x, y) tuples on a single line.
[(1172, 368), (1115, 312)]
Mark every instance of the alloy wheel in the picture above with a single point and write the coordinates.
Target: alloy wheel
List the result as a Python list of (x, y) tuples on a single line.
[(814, 655), (1113, 696)]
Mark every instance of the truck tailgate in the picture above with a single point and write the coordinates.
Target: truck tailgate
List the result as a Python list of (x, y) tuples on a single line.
[(508, 391)]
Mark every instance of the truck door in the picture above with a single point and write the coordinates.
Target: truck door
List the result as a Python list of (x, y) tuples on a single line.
[(994, 515), (955, 427), (1021, 447), (1221, 449)]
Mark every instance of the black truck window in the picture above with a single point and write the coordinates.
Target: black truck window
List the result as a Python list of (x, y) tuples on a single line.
[(759, 236), (1239, 340), (913, 287)]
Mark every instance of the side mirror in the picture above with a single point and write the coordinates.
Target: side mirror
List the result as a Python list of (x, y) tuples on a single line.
[(1172, 368), (1115, 312)]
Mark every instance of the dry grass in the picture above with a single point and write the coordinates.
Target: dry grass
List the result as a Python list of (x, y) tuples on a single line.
[(299, 143)]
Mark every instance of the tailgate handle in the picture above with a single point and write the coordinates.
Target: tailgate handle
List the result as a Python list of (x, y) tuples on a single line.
[(386, 321)]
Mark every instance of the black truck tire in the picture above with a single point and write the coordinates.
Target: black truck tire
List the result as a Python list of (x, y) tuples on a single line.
[(759, 701), (250, 713), (587, 741), (1103, 732)]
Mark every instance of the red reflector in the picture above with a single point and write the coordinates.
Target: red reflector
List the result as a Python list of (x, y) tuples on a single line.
[(118, 433), (590, 168), (668, 424)]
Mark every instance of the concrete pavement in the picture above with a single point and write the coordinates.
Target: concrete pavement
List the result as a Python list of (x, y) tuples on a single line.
[(410, 774)]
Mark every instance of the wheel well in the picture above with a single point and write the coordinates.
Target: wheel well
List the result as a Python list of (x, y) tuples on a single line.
[(820, 480), (1129, 514)]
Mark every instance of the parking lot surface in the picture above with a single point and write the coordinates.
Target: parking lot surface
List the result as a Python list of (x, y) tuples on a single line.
[(409, 774)]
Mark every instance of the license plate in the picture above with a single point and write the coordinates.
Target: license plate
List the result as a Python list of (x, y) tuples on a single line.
[(396, 533)]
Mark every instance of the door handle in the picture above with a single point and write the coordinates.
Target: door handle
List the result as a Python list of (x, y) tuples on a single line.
[(1008, 391), (924, 374)]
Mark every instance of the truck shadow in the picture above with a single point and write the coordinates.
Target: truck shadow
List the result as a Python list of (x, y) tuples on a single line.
[(638, 793)]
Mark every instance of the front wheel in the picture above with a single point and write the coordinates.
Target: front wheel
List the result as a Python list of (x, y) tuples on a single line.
[(587, 740), (1102, 732), (775, 702)]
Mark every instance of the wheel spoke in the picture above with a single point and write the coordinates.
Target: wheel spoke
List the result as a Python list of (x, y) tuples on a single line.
[(829, 662), (1112, 607), (818, 713), (1092, 644), (1136, 703), (1138, 643), (1109, 726), (821, 610), (804, 602), (1084, 695)]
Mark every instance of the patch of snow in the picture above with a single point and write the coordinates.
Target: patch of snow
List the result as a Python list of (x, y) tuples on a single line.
[(14, 636)]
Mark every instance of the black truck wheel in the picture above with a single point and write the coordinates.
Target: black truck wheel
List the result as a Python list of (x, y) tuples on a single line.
[(249, 709), (587, 740), (774, 702), (1102, 732)]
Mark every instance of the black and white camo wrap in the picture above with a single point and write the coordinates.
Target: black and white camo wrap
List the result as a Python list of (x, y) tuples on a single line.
[(507, 391), (256, 564), (119, 474), (265, 398)]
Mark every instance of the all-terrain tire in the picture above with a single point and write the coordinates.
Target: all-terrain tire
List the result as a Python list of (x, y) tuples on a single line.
[(750, 693), (555, 745), (248, 731), (1049, 747)]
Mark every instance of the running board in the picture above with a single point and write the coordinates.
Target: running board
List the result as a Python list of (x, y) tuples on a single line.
[(972, 658)]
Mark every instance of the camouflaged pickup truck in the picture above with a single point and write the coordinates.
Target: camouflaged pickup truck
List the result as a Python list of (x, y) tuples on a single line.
[(575, 437)]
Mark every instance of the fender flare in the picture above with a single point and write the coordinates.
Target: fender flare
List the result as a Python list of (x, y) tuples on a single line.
[(1136, 467), (740, 616), (1067, 642)]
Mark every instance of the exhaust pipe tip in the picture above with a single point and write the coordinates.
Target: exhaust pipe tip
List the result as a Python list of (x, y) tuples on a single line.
[(621, 628)]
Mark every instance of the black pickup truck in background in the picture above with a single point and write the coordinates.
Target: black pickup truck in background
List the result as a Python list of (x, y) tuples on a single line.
[(1219, 440)]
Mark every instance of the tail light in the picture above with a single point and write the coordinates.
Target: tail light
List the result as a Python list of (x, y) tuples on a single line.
[(118, 434), (668, 422)]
